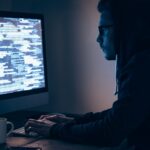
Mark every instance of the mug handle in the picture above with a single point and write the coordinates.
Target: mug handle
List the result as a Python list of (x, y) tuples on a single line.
[(12, 127)]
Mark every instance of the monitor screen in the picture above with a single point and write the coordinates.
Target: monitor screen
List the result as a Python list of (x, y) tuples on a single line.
[(22, 54)]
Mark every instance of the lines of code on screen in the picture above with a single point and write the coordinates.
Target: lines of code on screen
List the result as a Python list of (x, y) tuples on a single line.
[(21, 55)]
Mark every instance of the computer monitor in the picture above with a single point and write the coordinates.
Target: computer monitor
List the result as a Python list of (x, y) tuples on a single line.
[(23, 74)]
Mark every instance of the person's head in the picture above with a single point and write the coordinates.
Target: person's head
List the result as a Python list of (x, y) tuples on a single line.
[(106, 35), (129, 28)]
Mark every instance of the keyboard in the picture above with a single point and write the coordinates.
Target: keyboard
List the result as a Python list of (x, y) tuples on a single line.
[(21, 132)]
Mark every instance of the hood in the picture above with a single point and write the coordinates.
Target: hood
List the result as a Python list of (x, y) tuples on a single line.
[(132, 29)]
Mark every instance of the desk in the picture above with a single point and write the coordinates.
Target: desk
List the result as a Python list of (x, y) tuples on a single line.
[(48, 144)]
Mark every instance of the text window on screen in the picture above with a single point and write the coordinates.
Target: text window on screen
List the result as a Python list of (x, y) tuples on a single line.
[(21, 55)]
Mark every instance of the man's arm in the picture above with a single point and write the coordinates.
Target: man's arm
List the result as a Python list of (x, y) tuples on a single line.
[(90, 117)]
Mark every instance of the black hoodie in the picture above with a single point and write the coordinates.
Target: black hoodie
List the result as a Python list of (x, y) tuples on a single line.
[(129, 116)]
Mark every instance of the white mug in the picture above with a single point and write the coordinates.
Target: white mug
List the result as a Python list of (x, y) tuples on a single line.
[(3, 129)]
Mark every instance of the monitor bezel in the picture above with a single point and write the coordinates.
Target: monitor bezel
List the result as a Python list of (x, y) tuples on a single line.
[(30, 16)]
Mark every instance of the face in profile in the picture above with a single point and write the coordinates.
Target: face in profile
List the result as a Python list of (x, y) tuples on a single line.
[(106, 36)]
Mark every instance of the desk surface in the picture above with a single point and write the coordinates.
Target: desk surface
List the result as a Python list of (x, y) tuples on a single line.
[(47, 144)]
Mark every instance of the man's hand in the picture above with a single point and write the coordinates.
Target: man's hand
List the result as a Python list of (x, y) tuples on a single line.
[(42, 127), (57, 118)]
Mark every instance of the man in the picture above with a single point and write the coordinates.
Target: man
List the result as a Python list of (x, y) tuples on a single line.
[(125, 36)]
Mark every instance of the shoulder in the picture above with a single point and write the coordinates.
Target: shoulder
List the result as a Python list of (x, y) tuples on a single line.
[(135, 76), (139, 62)]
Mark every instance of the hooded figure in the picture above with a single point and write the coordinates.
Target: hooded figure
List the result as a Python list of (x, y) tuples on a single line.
[(129, 117), (124, 36)]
